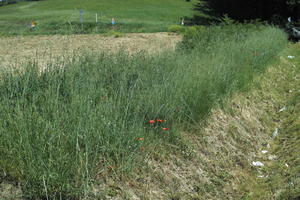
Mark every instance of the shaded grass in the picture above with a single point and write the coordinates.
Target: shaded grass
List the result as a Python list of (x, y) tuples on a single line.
[(64, 126)]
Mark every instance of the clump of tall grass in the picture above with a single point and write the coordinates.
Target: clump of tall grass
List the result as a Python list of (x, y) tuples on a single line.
[(63, 126)]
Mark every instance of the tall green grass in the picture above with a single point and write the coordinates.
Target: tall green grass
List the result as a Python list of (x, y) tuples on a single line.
[(63, 126)]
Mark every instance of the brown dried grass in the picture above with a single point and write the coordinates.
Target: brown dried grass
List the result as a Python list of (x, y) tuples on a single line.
[(21, 49)]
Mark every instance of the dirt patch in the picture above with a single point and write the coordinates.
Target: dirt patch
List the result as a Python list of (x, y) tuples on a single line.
[(15, 50)]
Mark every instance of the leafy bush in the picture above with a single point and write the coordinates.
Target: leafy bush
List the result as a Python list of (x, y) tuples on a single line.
[(114, 34), (176, 29)]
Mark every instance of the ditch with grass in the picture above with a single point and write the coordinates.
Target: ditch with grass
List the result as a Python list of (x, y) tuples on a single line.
[(66, 126), (279, 178)]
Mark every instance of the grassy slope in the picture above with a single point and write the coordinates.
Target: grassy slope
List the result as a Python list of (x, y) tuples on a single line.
[(66, 130), (281, 174), (210, 167), (216, 163), (145, 15)]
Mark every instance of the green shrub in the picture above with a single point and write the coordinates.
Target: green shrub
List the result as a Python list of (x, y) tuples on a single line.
[(200, 36), (114, 34), (176, 29)]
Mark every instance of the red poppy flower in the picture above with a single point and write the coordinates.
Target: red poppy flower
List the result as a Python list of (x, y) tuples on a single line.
[(160, 120), (152, 121), (165, 129)]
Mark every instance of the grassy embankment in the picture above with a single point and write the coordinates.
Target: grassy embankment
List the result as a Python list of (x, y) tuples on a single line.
[(217, 160), (68, 127), (280, 177), (62, 17)]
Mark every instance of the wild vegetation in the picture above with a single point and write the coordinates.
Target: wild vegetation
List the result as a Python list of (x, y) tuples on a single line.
[(282, 13), (65, 126), (71, 126)]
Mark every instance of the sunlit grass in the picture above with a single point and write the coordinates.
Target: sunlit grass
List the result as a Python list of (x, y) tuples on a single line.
[(57, 17), (63, 127)]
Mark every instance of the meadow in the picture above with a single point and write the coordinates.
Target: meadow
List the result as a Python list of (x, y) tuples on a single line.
[(63, 17), (71, 122), (69, 125)]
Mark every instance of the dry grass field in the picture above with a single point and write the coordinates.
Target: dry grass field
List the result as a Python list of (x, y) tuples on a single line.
[(20, 49)]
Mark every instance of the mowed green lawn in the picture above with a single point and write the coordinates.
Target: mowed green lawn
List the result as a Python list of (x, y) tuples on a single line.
[(64, 17)]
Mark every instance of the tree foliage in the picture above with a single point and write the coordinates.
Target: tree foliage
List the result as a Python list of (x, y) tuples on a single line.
[(275, 11)]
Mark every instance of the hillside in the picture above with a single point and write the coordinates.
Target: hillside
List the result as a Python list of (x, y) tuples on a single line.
[(54, 16)]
